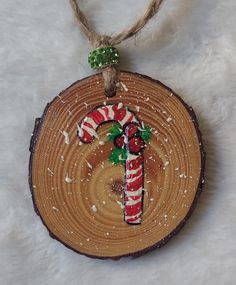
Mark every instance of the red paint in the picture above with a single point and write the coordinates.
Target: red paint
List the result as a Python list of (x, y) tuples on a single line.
[(135, 184), (97, 117), (87, 124), (131, 130), (134, 175), (120, 141), (86, 138), (136, 144), (119, 113), (135, 163), (105, 109), (130, 119)]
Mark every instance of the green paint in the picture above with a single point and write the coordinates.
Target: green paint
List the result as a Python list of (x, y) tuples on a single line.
[(146, 134), (118, 156), (114, 131)]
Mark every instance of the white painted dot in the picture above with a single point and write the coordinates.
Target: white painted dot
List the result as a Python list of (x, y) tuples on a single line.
[(94, 208)]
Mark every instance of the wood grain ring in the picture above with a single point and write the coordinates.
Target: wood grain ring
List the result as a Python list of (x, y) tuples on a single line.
[(80, 202)]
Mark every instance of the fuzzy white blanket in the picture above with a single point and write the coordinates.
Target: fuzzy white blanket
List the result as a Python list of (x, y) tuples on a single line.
[(191, 47)]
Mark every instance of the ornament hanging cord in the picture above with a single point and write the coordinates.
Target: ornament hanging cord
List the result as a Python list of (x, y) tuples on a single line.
[(110, 71)]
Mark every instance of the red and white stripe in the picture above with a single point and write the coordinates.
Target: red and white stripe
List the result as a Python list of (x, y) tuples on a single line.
[(134, 188), (89, 125), (134, 175)]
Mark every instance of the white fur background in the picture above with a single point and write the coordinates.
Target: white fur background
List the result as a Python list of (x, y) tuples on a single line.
[(191, 47)]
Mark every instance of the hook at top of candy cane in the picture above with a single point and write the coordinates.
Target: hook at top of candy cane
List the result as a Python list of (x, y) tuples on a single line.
[(100, 115), (134, 164)]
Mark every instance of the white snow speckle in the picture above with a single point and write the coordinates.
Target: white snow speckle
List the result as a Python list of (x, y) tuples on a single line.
[(94, 208), (120, 204), (66, 137), (124, 86), (89, 165), (55, 209), (182, 175), (50, 171), (68, 179), (120, 105), (166, 163)]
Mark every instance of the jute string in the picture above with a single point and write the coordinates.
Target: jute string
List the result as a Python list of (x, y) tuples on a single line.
[(111, 73)]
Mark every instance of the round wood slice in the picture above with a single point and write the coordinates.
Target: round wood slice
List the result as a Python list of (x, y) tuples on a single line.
[(78, 193)]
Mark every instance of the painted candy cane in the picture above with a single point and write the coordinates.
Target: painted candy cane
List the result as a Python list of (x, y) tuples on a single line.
[(134, 169)]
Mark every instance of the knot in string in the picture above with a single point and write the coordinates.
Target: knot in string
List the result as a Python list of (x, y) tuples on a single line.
[(111, 73)]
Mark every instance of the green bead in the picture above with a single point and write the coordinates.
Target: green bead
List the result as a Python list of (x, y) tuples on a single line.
[(103, 56)]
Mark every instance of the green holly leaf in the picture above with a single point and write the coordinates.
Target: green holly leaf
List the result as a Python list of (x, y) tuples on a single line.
[(118, 156), (146, 134), (114, 131)]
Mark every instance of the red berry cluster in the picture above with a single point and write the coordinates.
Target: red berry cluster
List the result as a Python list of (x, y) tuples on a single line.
[(130, 139)]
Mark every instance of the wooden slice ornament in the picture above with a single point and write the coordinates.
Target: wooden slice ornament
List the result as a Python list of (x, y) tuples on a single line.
[(117, 161), (118, 176)]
